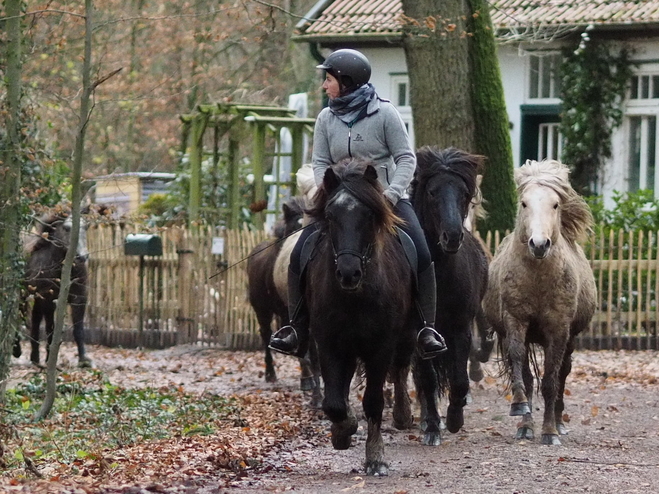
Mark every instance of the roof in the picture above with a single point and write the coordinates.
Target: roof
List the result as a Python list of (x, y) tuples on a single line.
[(376, 19)]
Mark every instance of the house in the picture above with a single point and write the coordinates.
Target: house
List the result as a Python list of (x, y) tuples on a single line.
[(126, 191), (530, 35)]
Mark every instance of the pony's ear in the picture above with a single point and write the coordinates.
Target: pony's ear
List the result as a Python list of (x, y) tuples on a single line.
[(371, 173), (287, 210), (330, 180)]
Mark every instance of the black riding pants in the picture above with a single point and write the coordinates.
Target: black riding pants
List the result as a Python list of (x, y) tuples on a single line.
[(411, 226)]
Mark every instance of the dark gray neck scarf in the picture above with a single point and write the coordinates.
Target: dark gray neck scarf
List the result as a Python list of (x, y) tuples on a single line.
[(352, 107)]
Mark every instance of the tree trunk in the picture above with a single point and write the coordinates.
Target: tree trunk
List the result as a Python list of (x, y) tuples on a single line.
[(437, 54), (11, 271), (492, 133), (76, 196)]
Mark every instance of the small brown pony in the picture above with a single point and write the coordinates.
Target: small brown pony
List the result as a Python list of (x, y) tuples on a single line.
[(542, 291)]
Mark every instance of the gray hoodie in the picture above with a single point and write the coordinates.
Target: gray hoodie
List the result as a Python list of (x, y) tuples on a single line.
[(380, 136)]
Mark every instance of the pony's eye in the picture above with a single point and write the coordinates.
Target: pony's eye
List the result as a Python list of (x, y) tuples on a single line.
[(556, 206), (523, 204)]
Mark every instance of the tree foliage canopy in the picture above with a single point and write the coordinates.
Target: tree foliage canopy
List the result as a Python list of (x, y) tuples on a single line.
[(173, 56)]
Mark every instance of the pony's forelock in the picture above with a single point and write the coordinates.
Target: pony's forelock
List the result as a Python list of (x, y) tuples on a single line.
[(576, 217), (369, 191)]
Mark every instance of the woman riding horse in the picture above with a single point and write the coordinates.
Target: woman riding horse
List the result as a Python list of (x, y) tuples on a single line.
[(358, 123)]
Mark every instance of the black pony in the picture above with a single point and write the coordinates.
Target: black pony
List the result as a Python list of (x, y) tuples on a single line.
[(266, 299), (442, 190), (45, 249), (359, 292)]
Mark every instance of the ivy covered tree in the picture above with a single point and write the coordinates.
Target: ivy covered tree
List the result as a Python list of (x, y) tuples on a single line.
[(593, 85), (10, 172), (456, 92), (491, 128)]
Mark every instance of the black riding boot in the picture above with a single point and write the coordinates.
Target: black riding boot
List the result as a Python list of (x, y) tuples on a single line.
[(293, 339), (429, 342)]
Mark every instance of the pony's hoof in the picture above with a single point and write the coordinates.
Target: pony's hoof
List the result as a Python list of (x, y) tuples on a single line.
[(404, 424), (307, 383), (432, 439), (551, 440), (340, 441), (562, 430), (454, 418), (342, 433), (519, 409), (270, 376), (403, 418), (85, 363), (476, 373), (377, 468), (524, 433)]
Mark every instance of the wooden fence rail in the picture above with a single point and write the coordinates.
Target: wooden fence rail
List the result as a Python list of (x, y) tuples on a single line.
[(193, 296)]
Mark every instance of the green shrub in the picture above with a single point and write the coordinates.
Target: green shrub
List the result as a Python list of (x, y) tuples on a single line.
[(632, 211)]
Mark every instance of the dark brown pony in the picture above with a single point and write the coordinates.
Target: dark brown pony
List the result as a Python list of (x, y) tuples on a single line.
[(266, 300), (45, 250), (442, 191), (359, 291)]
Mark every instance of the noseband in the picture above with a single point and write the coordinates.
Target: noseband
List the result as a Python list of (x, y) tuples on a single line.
[(364, 257)]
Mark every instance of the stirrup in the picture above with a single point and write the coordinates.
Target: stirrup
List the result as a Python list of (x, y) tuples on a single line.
[(440, 341), (283, 344)]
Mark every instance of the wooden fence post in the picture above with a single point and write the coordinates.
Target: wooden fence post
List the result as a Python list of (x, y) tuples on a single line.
[(185, 319)]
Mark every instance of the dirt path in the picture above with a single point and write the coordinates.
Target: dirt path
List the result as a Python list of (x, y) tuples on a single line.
[(613, 444)]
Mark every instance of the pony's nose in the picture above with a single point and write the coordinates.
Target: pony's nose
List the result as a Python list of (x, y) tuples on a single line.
[(348, 271), (349, 278), (539, 248), (451, 242)]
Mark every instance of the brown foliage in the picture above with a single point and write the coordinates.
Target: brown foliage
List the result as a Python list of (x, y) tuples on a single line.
[(174, 55)]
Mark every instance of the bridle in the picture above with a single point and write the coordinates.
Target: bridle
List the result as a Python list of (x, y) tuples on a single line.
[(364, 256)]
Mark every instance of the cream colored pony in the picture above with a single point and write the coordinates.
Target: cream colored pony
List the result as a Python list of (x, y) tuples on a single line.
[(306, 186), (541, 290)]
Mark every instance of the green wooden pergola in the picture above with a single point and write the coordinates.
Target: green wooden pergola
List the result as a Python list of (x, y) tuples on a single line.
[(240, 124)]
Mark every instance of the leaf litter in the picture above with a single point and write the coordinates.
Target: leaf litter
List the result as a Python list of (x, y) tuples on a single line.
[(280, 443)]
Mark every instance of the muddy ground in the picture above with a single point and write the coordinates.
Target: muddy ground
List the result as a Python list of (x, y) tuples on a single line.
[(612, 405)]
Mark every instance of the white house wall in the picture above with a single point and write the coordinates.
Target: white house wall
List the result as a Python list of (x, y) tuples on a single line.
[(386, 62), (389, 62), (514, 90)]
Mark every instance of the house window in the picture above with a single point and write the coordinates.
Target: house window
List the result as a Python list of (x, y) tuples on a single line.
[(550, 141), (400, 96), (544, 80), (644, 86), (400, 90), (642, 152)]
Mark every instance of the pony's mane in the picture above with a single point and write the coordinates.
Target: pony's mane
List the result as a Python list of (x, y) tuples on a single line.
[(576, 217), (292, 208), (366, 189), (296, 205), (432, 159)]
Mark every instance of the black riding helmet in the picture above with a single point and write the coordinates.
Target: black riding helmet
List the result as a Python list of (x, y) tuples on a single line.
[(350, 67)]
